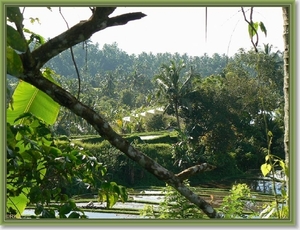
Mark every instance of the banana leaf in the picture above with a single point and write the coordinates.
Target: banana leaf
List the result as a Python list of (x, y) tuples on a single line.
[(27, 98)]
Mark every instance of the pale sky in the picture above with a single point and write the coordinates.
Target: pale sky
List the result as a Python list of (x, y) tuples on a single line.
[(170, 29)]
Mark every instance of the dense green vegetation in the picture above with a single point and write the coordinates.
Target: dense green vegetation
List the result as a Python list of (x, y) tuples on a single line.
[(225, 105), (226, 111)]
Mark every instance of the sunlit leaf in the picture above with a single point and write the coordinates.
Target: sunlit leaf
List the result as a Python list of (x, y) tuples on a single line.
[(267, 158), (22, 147), (265, 169), (284, 167), (28, 98), (111, 199), (270, 134), (123, 194), (41, 169), (17, 203), (251, 31), (282, 164)]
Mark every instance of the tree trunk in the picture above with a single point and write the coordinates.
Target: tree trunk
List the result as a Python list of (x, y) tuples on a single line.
[(177, 116), (286, 81)]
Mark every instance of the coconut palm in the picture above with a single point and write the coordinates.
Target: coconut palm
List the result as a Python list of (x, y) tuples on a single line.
[(171, 87)]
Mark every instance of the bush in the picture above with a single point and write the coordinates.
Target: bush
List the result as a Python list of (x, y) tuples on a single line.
[(155, 123), (174, 206), (240, 199)]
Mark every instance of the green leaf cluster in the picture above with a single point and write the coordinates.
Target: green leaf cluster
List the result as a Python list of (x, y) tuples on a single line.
[(279, 208), (17, 42), (111, 193), (253, 28), (40, 170), (174, 206), (233, 205), (271, 162)]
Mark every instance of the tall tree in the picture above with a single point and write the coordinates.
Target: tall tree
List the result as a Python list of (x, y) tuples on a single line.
[(171, 87), (286, 82)]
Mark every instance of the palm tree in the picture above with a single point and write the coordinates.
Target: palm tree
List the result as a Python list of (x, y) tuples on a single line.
[(109, 85), (171, 90)]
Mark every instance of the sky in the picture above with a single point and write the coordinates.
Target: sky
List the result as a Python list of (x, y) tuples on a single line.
[(169, 29)]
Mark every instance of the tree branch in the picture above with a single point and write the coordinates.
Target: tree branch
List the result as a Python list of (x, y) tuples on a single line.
[(252, 27), (81, 32), (187, 173)]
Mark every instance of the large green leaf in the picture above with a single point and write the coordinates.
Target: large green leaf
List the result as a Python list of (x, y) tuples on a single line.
[(15, 40), (28, 98), (18, 203), (14, 64), (251, 31)]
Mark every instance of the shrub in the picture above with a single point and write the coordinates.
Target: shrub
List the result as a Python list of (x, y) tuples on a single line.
[(155, 123), (174, 206)]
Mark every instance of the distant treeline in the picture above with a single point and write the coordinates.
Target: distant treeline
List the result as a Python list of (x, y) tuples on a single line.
[(92, 60)]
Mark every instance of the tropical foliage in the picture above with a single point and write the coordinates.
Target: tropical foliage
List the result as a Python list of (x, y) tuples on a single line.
[(227, 111), (41, 170)]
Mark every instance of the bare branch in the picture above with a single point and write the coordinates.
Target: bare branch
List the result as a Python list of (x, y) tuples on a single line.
[(73, 58), (187, 173), (80, 32)]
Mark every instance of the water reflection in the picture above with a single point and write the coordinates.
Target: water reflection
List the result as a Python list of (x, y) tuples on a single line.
[(265, 184)]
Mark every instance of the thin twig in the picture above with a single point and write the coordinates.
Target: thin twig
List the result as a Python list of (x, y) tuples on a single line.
[(251, 13), (73, 59), (81, 32), (205, 24), (251, 25)]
